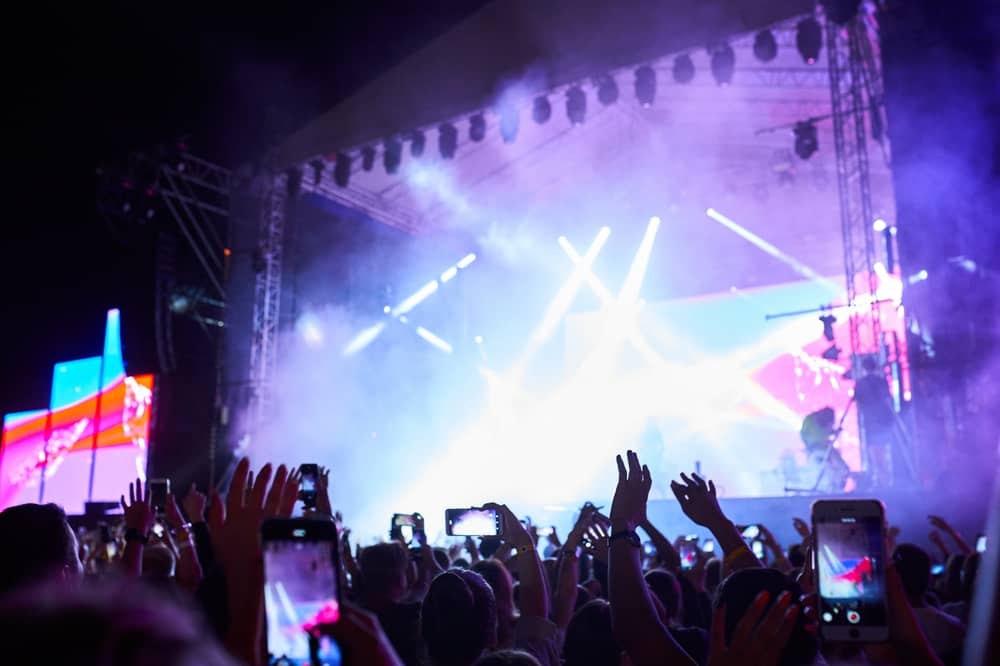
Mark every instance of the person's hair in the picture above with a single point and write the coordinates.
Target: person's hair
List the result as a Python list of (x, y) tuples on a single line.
[(583, 595), (969, 571), (713, 574), (499, 579), (458, 620), (383, 568), (951, 589), (739, 590), (158, 563), (507, 658), (120, 622), (692, 613), (441, 555), (666, 588), (460, 563), (36, 544), (589, 638), (914, 567), (796, 555)]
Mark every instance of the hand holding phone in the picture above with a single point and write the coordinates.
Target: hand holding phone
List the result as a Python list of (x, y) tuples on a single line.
[(474, 521), (407, 528), (307, 484), (158, 491)]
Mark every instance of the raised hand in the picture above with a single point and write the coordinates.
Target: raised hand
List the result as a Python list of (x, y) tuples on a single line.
[(698, 500), (754, 643), (801, 528), (174, 517), (323, 505), (943, 525), (628, 509), (194, 504), (139, 514)]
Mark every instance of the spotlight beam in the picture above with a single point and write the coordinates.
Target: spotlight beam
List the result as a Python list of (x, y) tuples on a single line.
[(415, 299), (434, 340), (637, 271), (770, 249)]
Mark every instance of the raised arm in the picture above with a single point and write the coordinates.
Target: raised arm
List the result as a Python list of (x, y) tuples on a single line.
[(943, 525), (699, 503), (189, 571), (779, 561), (534, 595), (634, 618), (666, 554), (139, 518)]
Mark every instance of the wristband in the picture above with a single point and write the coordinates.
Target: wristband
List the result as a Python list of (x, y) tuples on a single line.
[(627, 535), (132, 534), (736, 553), (185, 528)]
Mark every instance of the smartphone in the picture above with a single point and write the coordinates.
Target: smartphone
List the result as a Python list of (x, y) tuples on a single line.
[(158, 530), (981, 543), (751, 532), (158, 491), (708, 547), (757, 546), (307, 485), (649, 549), (472, 522), (545, 531), (850, 563), (937, 569), (689, 551), (301, 588), (407, 527)]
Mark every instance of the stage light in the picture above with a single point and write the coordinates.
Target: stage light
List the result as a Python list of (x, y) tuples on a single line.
[(449, 274), (367, 158), (478, 339), (764, 46), (828, 321), (309, 328), (645, 86), (392, 156), (806, 139), (840, 11), (510, 122), (607, 90), (447, 140), (415, 299), (880, 225), (363, 339), (387, 309), (576, 105), (466, 261), (919, 276), (809, 39), (317, 166), (434, 340), (541, 110), (723, 64), (417, 143), (477, 127), (342, 170), (683, 69), (637, 271)]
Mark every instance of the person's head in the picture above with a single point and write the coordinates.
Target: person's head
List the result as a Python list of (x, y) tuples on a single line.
[(969, 571), (738, 592), (498, 578), (589, 639), (383, 572), (157, 563), (713, 574), (458, 620), (460, 563), (507, 658), (914, 568), (119, 622), (38, 544), (869, 364), (664, 585), (441, 555), (796, 555), (951, 588)]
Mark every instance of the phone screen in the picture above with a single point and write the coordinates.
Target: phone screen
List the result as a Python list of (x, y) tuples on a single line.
[(937, 569), (300, 592), (689, 554), (981, 544), (751, 532), (708, 546), (472, 522), (851, 572), (158, 491)]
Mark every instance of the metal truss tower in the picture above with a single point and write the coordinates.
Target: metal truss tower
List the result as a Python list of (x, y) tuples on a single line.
[(851, 76), (267, 297)]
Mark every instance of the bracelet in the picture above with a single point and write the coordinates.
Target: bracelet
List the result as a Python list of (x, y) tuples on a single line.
[(628, 535), (132, 534), (735, 554), (185, 528)]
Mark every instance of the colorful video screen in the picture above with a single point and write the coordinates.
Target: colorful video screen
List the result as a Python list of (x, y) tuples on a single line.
[(91, 439)]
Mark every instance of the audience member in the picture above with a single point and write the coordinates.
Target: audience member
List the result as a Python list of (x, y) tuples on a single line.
[(459, 618), (38, 544), (944, 632)]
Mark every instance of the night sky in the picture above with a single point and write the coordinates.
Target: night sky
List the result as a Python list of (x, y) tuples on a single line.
[(93, 84)]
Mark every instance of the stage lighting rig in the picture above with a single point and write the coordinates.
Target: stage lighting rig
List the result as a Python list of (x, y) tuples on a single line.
[(418, 141), (541, 110), (477, 127), (607, 90), (765, 48), (510, 122), (683, 70), (723, 62), (342, 170), (840, 11), (392, 156), (576, 105), (367, 158), (447, 140), (806, 139), (645, 86), (828, 321), (809, 39), (832, 353)]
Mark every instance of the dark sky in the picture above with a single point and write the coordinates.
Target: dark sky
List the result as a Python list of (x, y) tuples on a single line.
[(90, 85)]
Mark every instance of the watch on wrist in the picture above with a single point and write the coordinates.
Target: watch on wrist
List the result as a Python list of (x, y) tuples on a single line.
[(626, 535), (132, 534)]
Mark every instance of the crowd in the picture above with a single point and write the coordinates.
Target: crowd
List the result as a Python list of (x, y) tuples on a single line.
[(187, 588)]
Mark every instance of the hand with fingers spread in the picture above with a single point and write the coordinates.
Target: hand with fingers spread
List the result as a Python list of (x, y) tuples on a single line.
[(138, 512), (801, 528), (698, 500), (754, 640), (940, 523), (189, 571), (194, 504), (597, 537), (628, 508)]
